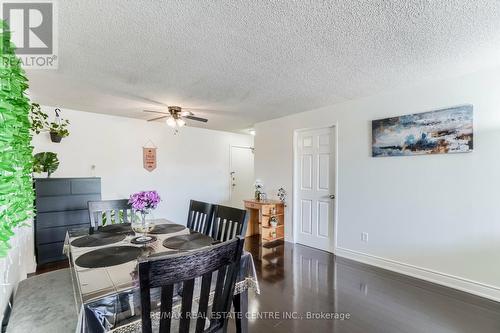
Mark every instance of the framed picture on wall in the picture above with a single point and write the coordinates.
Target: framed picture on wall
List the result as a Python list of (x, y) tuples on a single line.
[(442, 131)]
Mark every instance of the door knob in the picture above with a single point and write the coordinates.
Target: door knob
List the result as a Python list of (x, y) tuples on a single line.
[(332, 196)]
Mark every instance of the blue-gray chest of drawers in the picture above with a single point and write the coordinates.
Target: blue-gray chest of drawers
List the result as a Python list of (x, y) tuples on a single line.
[(61, 205)]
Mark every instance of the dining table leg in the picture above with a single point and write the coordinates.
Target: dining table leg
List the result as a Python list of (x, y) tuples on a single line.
[(240, 303)]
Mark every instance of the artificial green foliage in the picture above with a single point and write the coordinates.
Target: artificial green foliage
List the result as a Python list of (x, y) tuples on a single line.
[(38, 119), (16, 187), (45, 162)]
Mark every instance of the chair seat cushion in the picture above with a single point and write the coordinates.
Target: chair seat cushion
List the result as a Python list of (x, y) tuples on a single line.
[(44, 304)]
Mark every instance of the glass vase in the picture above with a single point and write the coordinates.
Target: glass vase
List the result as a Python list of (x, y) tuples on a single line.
[(142, 227)]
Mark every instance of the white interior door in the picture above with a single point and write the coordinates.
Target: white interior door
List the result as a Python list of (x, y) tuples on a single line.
[(242, 175), (315, 188)]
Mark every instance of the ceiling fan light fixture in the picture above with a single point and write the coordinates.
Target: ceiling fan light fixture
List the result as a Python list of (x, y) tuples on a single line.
[(175, 117), (180, 122), (171, 122)]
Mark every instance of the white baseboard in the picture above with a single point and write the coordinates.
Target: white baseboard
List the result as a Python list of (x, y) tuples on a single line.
[(455, 282)]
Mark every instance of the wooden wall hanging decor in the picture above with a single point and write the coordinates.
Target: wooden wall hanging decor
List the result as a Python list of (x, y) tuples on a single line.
[(149, 157)]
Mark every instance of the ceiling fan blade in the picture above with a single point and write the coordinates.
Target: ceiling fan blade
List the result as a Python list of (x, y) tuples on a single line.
[(167, 113), (211, 112), (196, 118), (198, 109), (158, 118), (185, 113)]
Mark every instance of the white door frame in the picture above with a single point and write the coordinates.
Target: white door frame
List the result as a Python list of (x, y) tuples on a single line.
[(295, 212)]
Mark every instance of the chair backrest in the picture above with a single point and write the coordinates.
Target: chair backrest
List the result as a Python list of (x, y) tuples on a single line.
[(228, 222), (200, 216), (165, 271), (109, 212)]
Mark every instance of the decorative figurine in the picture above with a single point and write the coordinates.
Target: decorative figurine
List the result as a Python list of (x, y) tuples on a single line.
[(258, 189), (273, 221), (282, 195)]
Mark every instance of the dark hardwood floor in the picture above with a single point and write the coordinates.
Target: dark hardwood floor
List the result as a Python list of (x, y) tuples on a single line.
[(296, 280), (52, 266)]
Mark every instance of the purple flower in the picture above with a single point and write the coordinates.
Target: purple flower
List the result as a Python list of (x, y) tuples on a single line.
[(144, 200)]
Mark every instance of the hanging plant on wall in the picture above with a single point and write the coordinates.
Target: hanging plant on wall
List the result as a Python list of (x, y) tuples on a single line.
[(16, 188), (58, 128)]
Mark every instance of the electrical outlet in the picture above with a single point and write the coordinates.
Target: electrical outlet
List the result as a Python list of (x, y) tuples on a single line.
[(364, 237)]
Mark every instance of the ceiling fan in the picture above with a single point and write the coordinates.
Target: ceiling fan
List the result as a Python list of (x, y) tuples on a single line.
[(175, 117)]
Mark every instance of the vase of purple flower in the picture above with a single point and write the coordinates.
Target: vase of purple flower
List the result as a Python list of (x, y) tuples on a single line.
[(143, 202)]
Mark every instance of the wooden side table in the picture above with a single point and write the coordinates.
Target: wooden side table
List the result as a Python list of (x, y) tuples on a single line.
[(261, 213)]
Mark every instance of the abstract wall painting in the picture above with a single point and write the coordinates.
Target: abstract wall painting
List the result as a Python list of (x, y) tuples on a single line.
[(436, 132)]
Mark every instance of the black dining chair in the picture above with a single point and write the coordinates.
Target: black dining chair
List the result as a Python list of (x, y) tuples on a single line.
[(164, 272), (200, 217), (228, 222), (109, 212)]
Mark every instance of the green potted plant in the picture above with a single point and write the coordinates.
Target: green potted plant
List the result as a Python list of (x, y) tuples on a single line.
[(45, 162), (58, 128)]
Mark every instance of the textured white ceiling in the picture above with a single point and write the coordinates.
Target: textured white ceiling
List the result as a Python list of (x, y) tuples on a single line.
[(257, 60)]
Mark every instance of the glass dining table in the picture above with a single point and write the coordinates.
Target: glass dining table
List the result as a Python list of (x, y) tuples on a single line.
[(105, 280)]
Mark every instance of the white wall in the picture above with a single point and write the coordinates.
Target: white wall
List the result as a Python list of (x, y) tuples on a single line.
[(435, 217), (194, 164), (19, 262)]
